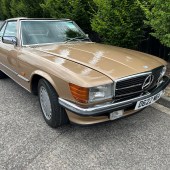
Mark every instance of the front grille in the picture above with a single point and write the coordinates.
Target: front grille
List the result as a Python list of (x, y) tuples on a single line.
[(131, 87)]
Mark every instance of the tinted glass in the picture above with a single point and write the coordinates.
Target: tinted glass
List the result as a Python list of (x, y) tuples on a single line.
[(44, 32), (11, 29)]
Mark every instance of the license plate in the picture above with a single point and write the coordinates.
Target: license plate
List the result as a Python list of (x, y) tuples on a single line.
[(116, 114), (146, 102)]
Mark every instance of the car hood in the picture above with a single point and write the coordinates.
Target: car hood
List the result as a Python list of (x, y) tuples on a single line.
[(114, 62)]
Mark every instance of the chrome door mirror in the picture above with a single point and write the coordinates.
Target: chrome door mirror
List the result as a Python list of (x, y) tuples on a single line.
[(9, 40)]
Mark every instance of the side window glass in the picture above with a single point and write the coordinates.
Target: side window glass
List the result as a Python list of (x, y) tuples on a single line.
[(11, 29), (2, 30)]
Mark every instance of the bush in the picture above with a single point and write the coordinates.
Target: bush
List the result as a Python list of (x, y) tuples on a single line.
[(119, 22), (158, 18), (20, 8), (5, 9), (26, 8), (77, 10)]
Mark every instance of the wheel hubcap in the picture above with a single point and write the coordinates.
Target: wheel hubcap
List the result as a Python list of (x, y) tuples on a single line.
[(45, 103)]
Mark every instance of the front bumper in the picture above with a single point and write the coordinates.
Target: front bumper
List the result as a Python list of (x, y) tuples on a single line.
[(100, 109)]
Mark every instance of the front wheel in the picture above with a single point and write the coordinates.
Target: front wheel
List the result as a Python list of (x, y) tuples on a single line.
[(53, 113)]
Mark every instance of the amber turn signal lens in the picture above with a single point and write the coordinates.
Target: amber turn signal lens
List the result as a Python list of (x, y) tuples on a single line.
[(81, 94)]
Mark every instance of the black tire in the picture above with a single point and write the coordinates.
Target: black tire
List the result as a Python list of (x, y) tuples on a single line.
[(58, 114), (2, 75)]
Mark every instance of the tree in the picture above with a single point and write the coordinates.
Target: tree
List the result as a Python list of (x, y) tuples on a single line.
[(158, 18), (20, 8), (77, 10), (26, 8), (5, 9), (119, 22)]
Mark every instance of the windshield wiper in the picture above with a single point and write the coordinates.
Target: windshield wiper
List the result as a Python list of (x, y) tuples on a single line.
[(77, 38)]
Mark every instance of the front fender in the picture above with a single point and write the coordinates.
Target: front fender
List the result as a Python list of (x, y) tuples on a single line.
[(61, 86), (45, 76)]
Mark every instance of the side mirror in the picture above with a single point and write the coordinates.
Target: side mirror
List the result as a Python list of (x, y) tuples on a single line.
[(9, 40)]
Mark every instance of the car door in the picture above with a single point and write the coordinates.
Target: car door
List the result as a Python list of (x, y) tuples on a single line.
[(9, 52)]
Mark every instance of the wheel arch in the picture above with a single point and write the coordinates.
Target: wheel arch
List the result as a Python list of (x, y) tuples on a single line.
[(36, 76)]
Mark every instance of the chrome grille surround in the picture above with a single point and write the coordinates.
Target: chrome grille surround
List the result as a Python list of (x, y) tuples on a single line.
[(131, 86)]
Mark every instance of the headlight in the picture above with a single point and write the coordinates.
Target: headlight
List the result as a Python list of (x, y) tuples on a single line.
[(101, 92), (89, 95), (161, 76), (163, 71)]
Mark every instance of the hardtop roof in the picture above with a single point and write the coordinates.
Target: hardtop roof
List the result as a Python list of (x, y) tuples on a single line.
[(25, 18)]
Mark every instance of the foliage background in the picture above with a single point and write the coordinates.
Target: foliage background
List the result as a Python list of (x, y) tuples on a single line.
[(125, 23)]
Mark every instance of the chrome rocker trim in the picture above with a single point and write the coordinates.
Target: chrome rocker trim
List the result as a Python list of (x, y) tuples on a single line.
[(23, 78), (111, 106)]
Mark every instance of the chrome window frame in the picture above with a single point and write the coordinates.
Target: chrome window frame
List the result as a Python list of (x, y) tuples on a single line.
[(3, 25), (7, 25)]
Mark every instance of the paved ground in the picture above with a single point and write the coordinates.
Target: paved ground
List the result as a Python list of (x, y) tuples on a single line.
[(141, 141)]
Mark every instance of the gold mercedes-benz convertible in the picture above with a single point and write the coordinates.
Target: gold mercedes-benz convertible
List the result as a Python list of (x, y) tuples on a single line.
[(76, 79)]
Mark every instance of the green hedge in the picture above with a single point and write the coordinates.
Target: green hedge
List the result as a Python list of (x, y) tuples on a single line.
[(122, 23), (119, 22)]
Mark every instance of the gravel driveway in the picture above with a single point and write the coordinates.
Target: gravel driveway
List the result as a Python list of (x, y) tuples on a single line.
[(141, 141)]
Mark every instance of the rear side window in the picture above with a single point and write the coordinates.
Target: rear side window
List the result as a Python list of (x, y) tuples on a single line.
[(11, 29), (2, 30)]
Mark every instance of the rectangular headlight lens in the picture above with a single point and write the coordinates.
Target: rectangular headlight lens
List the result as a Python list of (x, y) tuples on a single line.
[(101, 92), (163, 71)]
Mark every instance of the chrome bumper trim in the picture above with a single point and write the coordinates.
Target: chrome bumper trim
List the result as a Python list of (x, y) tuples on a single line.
[(110, 106)]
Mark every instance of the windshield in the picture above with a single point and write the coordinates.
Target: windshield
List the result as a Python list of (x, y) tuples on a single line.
[(49, 32)]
